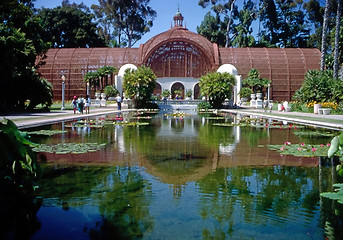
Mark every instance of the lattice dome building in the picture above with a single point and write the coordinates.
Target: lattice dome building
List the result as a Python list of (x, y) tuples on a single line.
[(179, 58)]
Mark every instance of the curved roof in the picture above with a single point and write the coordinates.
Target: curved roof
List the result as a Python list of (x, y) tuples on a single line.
[(228, 68), (285, 67), (177, 34)]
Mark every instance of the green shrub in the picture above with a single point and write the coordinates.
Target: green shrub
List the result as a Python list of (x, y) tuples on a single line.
[(111, 91), (204, 105), (217, 86), (245, 92), (319, 87)]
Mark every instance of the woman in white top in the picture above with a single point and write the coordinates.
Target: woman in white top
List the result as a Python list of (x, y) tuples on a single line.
[(87, 104)]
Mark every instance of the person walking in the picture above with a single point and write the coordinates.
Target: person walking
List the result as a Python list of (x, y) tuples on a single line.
[(87, 104), (118, 99)]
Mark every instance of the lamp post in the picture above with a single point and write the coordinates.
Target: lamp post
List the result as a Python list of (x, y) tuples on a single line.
[(268, 92), (88, 89), (63, 78)]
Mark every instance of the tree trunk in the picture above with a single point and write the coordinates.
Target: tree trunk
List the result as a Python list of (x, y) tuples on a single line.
[(338, 29), (324, 37), (227, 43)]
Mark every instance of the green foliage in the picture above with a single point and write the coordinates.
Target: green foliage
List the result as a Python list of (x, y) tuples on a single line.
[(255, 81), (204, 106), (336, 149), (69, 26), (178, 92), (212, 29), (92, 78), (74, 148), (319, 86), (18, 170), (139, 85), (245, 92), (244, 30), (189, 93), (41, 93), (301, 149), (20, 44), (217, 86), (337, 195), (45, 132), (166, 93), (284, 23), (110, 91), (128, 20)]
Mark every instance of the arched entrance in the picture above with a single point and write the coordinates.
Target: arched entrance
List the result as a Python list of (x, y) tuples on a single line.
[(179, 59), (178, 87), (196, 91), (158, 90)]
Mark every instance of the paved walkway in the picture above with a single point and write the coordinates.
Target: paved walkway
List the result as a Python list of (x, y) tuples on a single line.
[(328, 121), (27, 120)]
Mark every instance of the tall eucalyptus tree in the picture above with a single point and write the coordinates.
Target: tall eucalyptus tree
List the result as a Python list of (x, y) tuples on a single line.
[(337, 33), (226, 8), (324, 34), (125, 20)]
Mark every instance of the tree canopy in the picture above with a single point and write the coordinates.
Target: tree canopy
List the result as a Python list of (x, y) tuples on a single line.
[(217, 86), (59, 31), (139, 85), (124, 22), (291, 23), (20, 44)]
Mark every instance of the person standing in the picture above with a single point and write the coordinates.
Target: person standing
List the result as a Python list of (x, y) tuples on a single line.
[(118, 99), (74, 104), (87, 104), (80, 102)]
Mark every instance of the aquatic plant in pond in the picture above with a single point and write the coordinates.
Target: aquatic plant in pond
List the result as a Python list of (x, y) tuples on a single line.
[(134, 124), (337, 195), (183, 178), (74, 148), (301, 149), (45, 132), (336, 148)]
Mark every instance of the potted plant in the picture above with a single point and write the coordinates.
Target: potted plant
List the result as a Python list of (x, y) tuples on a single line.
[(255, 81), (244, 93), (111, 92), (178, 94), (189, 94), (165, 93)]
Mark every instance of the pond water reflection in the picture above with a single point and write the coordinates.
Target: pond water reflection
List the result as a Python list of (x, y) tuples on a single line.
[(183, 178)]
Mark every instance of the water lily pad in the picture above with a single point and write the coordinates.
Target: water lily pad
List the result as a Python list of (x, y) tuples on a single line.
[(84, 125), (214, 118), (337, 195), (131, 123), (74, 148), (311, 134), (46, 132), (301, 149)]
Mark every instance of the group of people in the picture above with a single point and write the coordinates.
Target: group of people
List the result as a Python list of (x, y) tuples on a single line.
[(81, 104)]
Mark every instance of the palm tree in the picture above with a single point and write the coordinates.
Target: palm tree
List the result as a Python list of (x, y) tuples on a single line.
[(324, 36), (338, 29)]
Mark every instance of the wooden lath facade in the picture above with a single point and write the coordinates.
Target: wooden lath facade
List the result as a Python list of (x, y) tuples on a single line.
[(181, 53)]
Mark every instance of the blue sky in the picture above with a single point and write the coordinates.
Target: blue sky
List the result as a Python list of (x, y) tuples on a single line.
[(193, 14)]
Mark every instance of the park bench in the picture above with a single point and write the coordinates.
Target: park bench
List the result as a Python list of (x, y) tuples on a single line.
[(324, 111)]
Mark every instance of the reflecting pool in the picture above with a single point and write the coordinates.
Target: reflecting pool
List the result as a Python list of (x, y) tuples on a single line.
[(181, 177)]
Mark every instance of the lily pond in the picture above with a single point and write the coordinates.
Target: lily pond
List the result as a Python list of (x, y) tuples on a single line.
[(164, 175)]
